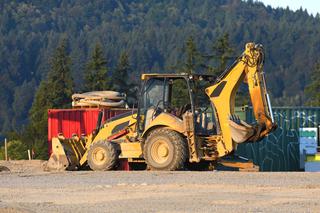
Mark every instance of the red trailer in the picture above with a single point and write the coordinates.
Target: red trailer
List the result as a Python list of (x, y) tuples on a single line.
[(76, 121), (79, 121)]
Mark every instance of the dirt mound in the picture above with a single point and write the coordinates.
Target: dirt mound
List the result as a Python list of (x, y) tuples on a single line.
[(22, 166), (4, 169)]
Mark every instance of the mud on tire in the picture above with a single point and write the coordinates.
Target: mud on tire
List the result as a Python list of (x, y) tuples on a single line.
[(165, 149), (102, 156)]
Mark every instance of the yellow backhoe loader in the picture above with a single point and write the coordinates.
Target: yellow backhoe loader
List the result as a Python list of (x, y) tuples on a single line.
[(180, 118)]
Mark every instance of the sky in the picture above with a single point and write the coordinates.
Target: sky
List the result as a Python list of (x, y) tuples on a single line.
[(312, 6)]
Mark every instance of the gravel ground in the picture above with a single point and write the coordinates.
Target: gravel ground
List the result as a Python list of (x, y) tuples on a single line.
[(22, 166), (145, 191)]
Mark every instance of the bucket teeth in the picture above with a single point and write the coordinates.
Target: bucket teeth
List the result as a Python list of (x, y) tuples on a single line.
[(235, 118)]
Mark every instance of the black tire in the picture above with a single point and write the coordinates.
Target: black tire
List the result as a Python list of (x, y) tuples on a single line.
[(102, 156), (173, 145)]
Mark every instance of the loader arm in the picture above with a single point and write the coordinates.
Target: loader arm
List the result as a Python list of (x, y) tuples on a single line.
[(247, 68)]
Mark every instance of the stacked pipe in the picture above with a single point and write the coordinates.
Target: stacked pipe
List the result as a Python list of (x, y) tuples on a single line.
[(107, 99)]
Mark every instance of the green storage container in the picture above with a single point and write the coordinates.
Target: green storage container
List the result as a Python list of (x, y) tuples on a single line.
[(280, 150)]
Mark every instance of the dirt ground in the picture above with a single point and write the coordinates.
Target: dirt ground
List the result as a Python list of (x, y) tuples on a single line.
[(31, 190)]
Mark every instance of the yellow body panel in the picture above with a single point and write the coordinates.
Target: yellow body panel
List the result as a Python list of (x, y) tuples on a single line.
[(131, 150), (224, 105), (168, 120), (108, 129)]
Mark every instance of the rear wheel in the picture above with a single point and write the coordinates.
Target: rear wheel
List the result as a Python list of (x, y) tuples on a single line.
[(102, 156), (165, 149)]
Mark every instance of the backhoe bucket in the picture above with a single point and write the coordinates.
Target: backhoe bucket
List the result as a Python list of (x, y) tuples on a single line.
[(66, 154), (240, 130)]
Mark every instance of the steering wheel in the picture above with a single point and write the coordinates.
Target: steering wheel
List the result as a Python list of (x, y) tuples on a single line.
[(183, 109), (156, 108)]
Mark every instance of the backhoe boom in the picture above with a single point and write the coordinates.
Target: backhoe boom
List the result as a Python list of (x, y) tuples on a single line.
[(247, 68)]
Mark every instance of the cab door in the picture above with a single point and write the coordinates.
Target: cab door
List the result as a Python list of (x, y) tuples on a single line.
[(153, 97)]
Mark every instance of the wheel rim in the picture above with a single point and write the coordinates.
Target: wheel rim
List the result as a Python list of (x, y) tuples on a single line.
[(160, 151), (99, 156)]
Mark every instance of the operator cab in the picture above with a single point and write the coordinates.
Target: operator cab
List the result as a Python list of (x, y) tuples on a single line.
[(176, 94)]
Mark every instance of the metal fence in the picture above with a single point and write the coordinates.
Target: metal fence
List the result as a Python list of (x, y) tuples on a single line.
[(280, 150)]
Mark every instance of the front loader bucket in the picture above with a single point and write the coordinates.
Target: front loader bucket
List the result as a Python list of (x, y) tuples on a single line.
[(58, 160), (240, 130), (57, 163), (66, 154)]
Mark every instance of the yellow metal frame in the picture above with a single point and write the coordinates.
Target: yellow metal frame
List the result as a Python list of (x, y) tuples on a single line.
[(222, 94), (107, 130), (165, 120)]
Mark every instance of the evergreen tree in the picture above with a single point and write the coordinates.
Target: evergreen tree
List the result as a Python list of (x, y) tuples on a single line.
[(36, 132), (222, 53), (121, 80), (26, 43), (193, 59), (60, 81), (191, 64), (96, 73), (313, 89), (55, 92)]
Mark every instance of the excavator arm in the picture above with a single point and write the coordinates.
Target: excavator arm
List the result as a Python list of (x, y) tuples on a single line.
[(247, 68), (259, 95)]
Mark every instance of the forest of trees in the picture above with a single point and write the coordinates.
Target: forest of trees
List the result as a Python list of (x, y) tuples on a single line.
[(100, 38)]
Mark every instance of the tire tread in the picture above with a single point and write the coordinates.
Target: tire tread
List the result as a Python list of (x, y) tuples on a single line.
[(112, 156), (180, 155)]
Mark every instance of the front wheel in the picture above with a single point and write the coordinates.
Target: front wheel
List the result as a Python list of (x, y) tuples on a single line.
[(165, 149), (102, 156)]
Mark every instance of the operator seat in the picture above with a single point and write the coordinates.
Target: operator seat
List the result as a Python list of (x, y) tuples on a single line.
[(149, 116)]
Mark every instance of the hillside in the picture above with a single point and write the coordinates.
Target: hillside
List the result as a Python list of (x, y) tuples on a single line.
[(153, 33)]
